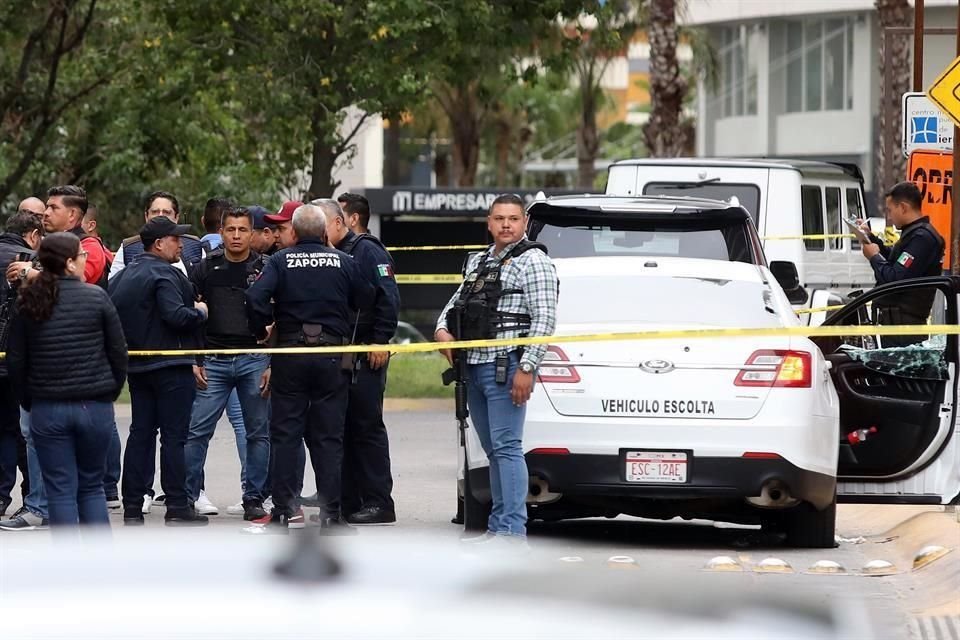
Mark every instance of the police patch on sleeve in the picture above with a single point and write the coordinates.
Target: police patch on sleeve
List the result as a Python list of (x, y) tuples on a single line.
[(905, 259), (385, 270)]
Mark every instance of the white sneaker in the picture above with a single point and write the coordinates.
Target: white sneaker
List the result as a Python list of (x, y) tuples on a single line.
[(268, 504), (235, 509), (205, 507), (147, 504)]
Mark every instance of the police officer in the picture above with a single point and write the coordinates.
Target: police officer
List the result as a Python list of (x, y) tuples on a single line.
[(917, 254), (308, 291), (510, 291), (367, 482), (221, 280), (159, 203)]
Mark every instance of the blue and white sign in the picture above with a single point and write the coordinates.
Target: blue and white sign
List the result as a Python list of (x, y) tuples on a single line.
[(924, 126)]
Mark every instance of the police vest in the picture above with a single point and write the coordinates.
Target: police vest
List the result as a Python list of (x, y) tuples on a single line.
[(227, 302), (475, 314), (916, 304)]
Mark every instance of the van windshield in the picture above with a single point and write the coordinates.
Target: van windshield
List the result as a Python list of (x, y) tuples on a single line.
[(747, 195)]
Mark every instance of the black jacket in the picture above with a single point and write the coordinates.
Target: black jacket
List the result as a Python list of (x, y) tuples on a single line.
[(79, 353), (378, 322), (155, 303), (309, 283), (11, 244)]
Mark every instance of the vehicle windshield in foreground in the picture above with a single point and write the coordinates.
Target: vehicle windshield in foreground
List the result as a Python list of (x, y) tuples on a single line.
[(666, 301), (575, 237)]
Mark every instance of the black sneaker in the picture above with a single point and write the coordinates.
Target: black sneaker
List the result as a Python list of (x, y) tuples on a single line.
[(184, 517), (373, 516), (253, 510), (4, 504), (113, 503), (24, 520), (132, 518), (310, 501), (336, 526)]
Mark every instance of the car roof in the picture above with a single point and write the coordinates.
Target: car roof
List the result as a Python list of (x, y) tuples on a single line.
[(640, 206), (657, 266), (807, 167)]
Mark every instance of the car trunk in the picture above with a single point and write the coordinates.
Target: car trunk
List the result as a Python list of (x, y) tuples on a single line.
[(672, 379)]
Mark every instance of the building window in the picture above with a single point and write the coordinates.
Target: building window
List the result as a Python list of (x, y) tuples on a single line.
[(739, 47), (819, 64)]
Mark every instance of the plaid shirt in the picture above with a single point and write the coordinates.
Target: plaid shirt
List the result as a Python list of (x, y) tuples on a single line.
[(533, 273)]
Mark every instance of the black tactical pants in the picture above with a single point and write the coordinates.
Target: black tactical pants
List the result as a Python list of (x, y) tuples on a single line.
[(308, 402), (367, 481)]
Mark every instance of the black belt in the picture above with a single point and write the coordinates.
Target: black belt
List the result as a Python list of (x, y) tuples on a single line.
[(297, 339)]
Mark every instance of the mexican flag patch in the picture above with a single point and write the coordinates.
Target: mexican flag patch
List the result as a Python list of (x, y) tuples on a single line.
[(385, 270), (905, 259)]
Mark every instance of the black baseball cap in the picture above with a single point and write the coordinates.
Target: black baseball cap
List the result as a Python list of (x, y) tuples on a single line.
[(161, 227), (259, 215)]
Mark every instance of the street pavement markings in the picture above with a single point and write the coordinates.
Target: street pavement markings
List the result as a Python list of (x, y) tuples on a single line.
[(879, 568), (723, 563), (928, 554), (773, 565), (828, 567), (621, 562)]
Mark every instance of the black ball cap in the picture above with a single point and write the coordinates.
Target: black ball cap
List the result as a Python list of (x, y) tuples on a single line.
[(161, 227)]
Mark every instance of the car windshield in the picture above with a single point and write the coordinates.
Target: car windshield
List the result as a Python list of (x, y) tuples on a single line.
[(568, 238), (666, 301), (745, 195)]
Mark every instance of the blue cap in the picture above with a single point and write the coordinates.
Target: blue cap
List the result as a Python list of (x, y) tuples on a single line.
[(259, 215)]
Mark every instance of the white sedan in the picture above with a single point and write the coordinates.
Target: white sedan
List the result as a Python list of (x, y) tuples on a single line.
[(741, 429)]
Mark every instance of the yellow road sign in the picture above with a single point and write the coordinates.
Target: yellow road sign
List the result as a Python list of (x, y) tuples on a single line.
[(945, 91)]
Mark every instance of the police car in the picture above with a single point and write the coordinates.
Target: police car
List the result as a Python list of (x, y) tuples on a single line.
[(752, 429)]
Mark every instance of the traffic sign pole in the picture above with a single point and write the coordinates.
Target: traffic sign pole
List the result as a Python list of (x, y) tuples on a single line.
[(955, 219)]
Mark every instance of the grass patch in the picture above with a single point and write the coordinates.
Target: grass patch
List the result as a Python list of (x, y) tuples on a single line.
[(411, 375), (417, 375)]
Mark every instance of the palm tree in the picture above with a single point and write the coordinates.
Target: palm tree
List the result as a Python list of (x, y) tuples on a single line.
[(664, 132)]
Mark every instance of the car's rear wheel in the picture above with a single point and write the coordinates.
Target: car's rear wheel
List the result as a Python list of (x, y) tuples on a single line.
[(475, 513), (811, 529)]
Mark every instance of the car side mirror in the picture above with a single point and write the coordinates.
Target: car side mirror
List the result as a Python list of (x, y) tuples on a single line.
[(786, 274)]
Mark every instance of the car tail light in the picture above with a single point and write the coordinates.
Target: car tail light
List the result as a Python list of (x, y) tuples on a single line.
[(551, 451), (784, 369), (761, 455), (552, 370)]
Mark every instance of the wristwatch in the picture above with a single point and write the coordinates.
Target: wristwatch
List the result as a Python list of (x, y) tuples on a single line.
[(526, 367)]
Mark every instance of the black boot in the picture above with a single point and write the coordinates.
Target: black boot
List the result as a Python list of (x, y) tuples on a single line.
[(373, 515), (184, 517)]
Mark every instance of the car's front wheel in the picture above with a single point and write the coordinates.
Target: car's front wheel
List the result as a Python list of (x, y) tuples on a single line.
[(811, 529)]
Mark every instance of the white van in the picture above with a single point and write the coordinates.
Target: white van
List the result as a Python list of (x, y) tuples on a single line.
[(787, 199)]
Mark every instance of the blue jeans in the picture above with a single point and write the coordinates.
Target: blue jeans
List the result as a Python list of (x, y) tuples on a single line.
[(36, 502), (71, 438), (224, 374), (111, 471), (235, 418), (499, 425)]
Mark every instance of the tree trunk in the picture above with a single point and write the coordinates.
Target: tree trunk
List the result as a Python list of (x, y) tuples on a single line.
[(321, 175), (588, 139), (663, 133), (461, 106), (892, 13), (391, 153), (504, 141)]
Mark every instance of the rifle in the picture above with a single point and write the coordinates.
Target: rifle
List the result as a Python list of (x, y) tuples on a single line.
[(457, 374)]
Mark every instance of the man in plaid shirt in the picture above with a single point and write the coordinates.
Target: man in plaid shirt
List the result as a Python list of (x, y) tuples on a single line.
[(527, 306)]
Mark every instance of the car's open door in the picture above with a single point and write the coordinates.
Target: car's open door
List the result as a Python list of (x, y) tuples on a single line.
[(898, 431)]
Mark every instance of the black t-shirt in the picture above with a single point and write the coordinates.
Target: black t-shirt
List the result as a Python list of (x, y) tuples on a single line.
[(222, 285)]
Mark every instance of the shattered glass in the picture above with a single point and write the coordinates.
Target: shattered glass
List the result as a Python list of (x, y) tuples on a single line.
[(924, 360)]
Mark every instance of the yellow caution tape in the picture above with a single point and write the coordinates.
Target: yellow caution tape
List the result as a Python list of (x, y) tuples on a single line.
[(832, 307), (659, 334), (442, 247), (429, 278), (480, 247)]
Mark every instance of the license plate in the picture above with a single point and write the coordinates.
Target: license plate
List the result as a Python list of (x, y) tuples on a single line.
[(656, 466)]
